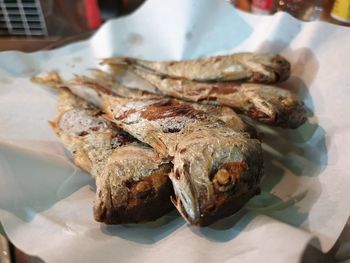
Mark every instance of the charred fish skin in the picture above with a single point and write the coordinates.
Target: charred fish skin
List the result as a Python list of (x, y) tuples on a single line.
[(203, 150), (249, 67), (132, 182), (267, 104)]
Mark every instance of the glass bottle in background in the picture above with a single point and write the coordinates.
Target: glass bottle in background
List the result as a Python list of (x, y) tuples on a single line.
[(263, 7), (338, 12), (244, 5), (332, 11), (301, 9)]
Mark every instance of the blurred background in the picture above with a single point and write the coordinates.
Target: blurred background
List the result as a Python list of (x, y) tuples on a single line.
[(30, 25)]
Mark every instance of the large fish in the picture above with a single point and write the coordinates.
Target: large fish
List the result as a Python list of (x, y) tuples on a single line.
[(132, 181), (250, 67), (267, 104)]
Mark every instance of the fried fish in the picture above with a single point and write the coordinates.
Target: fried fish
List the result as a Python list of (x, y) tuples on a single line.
[(267, 104), (249, 67), (132, 181), (216, 169), (103, 82)]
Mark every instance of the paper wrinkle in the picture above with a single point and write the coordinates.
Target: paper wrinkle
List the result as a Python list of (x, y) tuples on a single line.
[(183, 25), (305, 188)]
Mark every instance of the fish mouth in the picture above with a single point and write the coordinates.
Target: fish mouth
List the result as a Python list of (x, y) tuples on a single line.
[(277, 69), (140, 212), (233, 185), (245, 177), (286, 117), (292, 117), (143, 203)]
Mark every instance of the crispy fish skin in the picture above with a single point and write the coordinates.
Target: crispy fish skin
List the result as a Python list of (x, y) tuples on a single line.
[(250, 67), (216, 169), (89, 88), (132, 182), (210, 187), (267, 104)]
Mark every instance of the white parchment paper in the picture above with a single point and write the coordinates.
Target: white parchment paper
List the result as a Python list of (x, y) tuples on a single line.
[(46, 203)]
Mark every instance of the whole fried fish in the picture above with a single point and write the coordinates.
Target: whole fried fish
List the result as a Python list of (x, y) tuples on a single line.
[(250, 67), (267, 104), (132, 181), (91, 88), (216, 169), (103, 82)]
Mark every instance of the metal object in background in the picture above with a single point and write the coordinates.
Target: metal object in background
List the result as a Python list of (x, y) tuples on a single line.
[(22, 18)]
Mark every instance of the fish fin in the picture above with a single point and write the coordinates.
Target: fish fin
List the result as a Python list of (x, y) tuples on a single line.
[(100, 74), (119, 69), (51, 79), (54, 127), (178, 206), (53, 124), (107, 117), (116, 60)]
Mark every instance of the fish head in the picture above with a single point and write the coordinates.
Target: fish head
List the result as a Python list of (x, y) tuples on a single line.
[(214, 175), (275, 106), (268, 68), (133, 187)]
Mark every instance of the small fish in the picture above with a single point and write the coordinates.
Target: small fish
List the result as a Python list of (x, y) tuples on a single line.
[(89, 88), (249, 67), (107, 84), (217, 169), (132, 181), (267, 104)]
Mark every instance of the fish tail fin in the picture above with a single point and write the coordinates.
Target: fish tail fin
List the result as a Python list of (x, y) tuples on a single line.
[(118, 60), (119, 65), (54, 127), (51, 79)]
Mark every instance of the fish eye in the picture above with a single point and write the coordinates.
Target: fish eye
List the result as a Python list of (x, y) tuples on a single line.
[(280, 61)]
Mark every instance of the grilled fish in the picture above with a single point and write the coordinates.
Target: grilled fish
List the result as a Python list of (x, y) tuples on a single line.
[(132, 181), (216, 169), (250, 67), (267, 104)]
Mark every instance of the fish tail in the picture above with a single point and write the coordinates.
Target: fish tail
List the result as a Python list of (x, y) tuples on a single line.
[(118, 69), (118, 60), (51, 79)]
